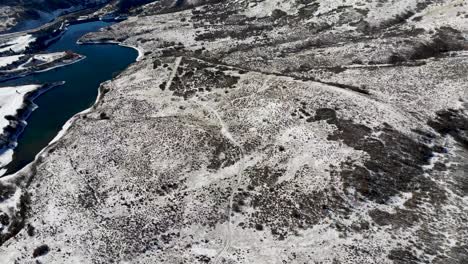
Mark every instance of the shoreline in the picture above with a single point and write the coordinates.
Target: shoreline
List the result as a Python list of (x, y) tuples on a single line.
[(113, 42), (17, 122), (141, 53), (58, 65), (22, 178), (69, 122)]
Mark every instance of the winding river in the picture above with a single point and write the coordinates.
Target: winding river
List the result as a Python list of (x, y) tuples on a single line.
[(82, 79)]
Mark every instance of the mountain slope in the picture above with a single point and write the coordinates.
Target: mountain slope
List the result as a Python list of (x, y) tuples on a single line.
[(262, 132)]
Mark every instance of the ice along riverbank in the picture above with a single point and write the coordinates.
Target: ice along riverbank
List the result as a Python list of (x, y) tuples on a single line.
[(82, 80)]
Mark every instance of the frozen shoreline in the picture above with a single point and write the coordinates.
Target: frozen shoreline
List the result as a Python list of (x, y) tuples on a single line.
[(17, 104), (22, 72), (7, 155), (65, 128), (111, 42)]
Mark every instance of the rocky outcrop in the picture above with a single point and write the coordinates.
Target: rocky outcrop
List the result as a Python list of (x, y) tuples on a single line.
[(264, 132)]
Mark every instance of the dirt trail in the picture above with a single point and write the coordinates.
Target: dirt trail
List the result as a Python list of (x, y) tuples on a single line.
[(177, 62), (227, 134)]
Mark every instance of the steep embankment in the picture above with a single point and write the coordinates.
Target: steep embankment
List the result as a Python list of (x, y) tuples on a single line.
[(263, 132)]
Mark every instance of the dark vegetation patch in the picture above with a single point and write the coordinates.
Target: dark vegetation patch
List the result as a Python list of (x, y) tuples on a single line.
[(265, 175), (173, 49), (404, 34), (215, 212), (195, 76), (325, 40), (157, 234), (87, 197), (31, 230), (278, 13), (103, 116), (403, 256), (398, 19), (156, 64), (446, 39), (452, 122), (400, 219), (240, 33), (162, 86), (155, 228), (41, 251), (6, 191), (308, 8), (285, 207), (217, 12), (361, 90), (12, 224), (395, 162), (302, 112), (4, 220), (225, 153), (252, 143), (203, 259)]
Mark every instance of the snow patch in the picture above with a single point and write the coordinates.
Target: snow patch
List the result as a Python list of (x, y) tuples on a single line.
[(5, 61), (50, 56), (18, 44), (12, 99)]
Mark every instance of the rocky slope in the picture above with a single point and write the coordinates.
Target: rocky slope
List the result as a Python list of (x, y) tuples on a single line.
[(261, 132)]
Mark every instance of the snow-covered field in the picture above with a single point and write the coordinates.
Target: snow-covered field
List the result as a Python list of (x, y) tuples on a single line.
[(49, 57), (39, 59)]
